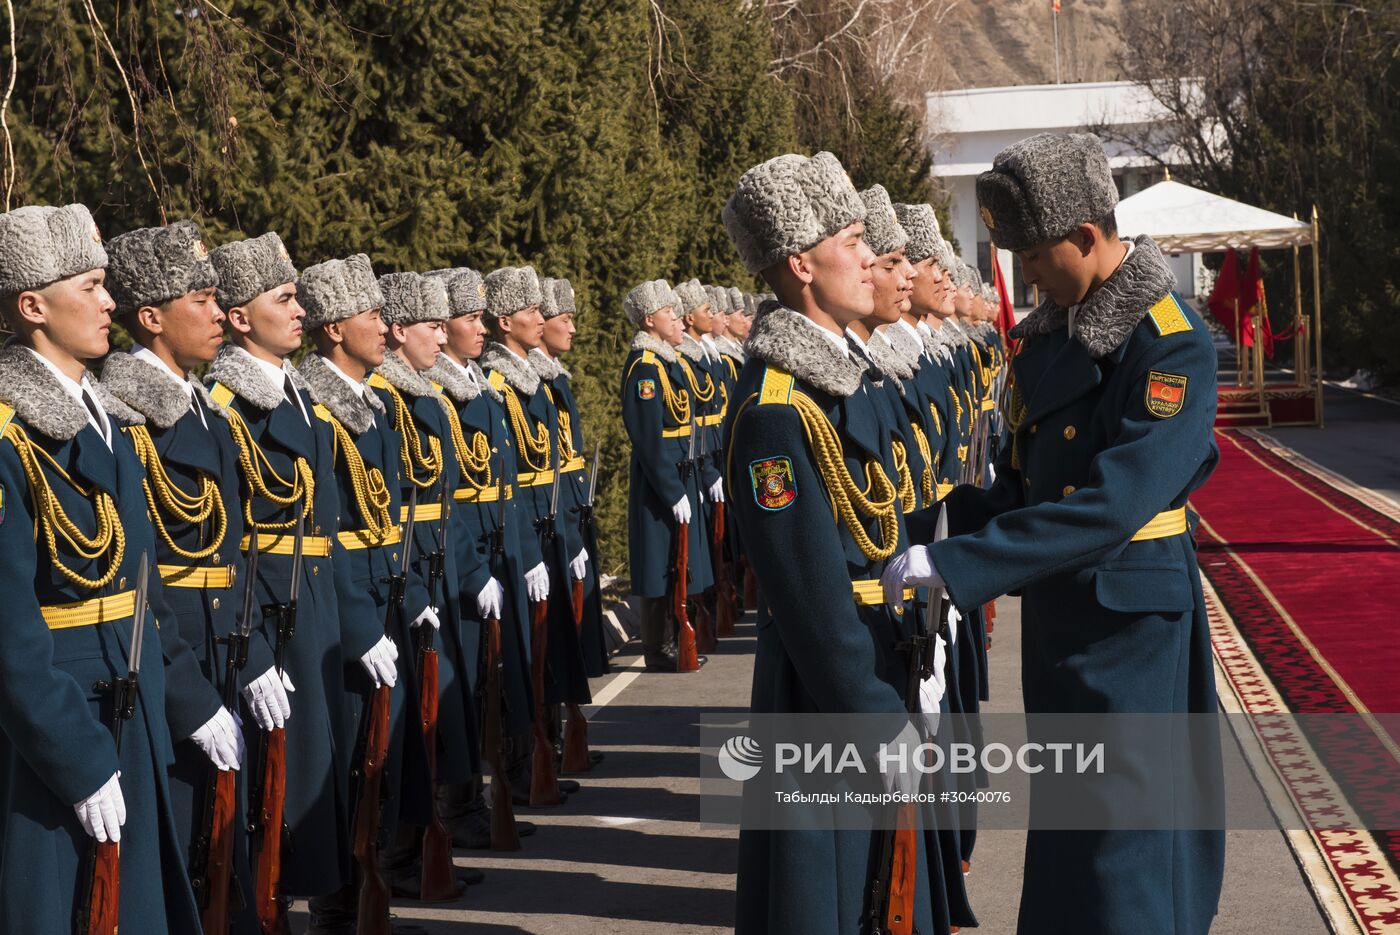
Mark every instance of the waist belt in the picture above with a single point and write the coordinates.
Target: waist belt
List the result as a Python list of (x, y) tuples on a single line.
[(90, 612), (198, 576), (1163, 525), (714, 418), (869, 593), (573, 464), (424, 512), (680, 431), (534, 478), (484, 495), (364, 539), (989, 404), (942, 490), (284, 543)]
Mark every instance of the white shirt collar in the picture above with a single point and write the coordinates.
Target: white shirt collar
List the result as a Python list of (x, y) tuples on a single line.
[(76, 390), (913, 331), (357, 385), (923, 329), (711, 348), (464, 371), (515, 355), (837, 340), (277, 376), (851, 335), (145, 354)]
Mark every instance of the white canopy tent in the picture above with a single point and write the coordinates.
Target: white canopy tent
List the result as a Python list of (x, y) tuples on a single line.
[(1183, 219)]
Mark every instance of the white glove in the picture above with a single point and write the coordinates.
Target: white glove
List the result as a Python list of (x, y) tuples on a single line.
[(932, 688), (681, 510), (489, 601), (266, 697), (991, 473), (221, 739), (379, 662), (537, 583), (911, 568), (895, 780), (717, 491), (954, 618), (103, 813), (429, 614), (579, 566)]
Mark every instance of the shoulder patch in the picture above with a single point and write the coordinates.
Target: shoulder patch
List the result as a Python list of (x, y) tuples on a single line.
[(774, 484), (777, 387), (221, 394), (1168, 317), (497, 380), (646, 389), (1166, 393)]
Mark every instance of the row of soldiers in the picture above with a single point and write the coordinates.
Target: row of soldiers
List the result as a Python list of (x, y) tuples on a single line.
[(935, 362), (385, 553)]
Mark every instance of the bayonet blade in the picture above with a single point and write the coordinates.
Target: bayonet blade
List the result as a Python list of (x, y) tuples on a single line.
[(500, 503), (940, 532), (694, 431), (250, 587), (298, 543), (442, 521), (138, 619), (593, 478), (554, 491), (408, 530)]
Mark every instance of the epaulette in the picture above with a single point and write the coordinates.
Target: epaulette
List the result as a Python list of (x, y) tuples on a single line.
[(322, 412), (497, 380), (379, 383), (221, 394), (7, 415), (1168, 317), (776, 388)]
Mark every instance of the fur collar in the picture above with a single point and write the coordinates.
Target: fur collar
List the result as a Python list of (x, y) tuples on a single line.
[(238, 370), (45, 406), (518, 374), (549, 368), (780, 339), (939, 343), (907, 345), (1106, 319), (403, 377), (150, 392), (350, 409), (693, 351), (454, 385), (641, 341), (883, 353), (730, 347)]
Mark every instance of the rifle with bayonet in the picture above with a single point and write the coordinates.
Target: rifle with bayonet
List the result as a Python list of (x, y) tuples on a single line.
[(726, 595), (272, 788), (704, 623), (99, 905), (576, 756), (373, 909), (214, 858), (544, 783), (491, 695), (438, 882), (896, 874), (687, 657)]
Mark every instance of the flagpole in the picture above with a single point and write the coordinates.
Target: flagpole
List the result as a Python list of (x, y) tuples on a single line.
[(1055, 18)]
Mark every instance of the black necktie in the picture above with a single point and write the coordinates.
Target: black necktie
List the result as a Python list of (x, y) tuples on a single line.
[(292, 396), (876, 374), (96, 414)]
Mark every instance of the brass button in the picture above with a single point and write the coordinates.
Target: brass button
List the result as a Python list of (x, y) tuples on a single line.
[(1069, 433), (396, 556), (216, 560), (317, 530), (214, 603), (1069, 489), (1033, 428), (315, 569), (122, 583)]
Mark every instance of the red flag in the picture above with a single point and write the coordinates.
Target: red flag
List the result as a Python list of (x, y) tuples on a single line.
[(1006, 318), (1226, 291), (1054, 6), (1254, 308)]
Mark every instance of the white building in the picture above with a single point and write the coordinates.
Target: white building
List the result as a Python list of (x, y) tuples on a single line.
[(976, 123)]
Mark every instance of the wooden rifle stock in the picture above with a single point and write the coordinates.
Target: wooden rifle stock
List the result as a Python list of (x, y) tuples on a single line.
[(268, 856), (504, 836), (544, 784), (374, 889), (904, 857), (726, 599), (687, 658), (439, 879), (576, 758), (218, 868), (104, 900)]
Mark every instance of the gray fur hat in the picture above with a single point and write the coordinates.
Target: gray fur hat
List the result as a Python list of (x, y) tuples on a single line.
[(152, 265), (465, 290), (549, 301), (736, 299), (40, 245), (717, 297), (510, 289), (338, 289), (693, 295), (410, 298), (1043, 187), (750, 307), (789, 204), (921, 224), (248, 268), (564, 296), (882, 231), (649, 297)]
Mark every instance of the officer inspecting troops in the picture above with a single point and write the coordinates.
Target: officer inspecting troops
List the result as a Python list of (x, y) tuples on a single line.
[(80, 554), (1110, 431)]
